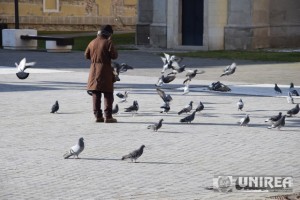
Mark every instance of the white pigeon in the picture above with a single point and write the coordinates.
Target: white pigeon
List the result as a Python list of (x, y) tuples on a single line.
[(290, 98), (21, 67), (75, 150), (240, 104), (186, 88)]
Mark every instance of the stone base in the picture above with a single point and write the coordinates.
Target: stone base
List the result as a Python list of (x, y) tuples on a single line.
[(11, 39), (52, 47)]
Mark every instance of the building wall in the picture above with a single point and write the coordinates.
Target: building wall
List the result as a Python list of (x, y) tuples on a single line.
[(76, 15)]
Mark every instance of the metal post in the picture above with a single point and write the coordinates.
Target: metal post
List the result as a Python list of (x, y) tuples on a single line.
[(16, 14)]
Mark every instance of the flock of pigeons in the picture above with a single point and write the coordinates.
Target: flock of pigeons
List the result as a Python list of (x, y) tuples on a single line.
[(170, 62)]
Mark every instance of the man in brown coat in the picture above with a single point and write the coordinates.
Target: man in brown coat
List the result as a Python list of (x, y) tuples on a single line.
[(101, 51)]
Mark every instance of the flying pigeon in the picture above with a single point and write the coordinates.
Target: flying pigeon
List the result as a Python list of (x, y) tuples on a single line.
[(191, 74), (240, 104), (187, 108), (229, 70), (177, 69), (165, 79), (21, 67), (290, 98), (89, 92), (218, 86), (120, 68), (115, 110), (189, 118), (133, 108), (293, 91), (293, 111), (186, 88), (169, 62), (245, 121), (75, 150), (277, 89), (165, 97), (274, 118), (123, 97), (200, 107), (55, 107), (156, 126), (279, 123), (133, 156), (165, 108)]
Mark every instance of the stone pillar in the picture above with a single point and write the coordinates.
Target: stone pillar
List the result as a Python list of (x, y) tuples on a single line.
[(248, 24), (145, 15)]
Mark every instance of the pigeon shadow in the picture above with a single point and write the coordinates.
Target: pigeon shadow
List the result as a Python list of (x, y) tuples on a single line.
[(101, 159), (160, 163)]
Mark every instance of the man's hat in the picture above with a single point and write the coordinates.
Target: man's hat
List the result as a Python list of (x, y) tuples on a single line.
[(107, 28)]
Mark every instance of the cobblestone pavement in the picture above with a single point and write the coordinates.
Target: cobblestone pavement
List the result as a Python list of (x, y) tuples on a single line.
[(179, 161)]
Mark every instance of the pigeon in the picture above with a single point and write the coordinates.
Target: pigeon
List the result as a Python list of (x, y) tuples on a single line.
[(55, 107), (177, 69), (279, 123), (165, 97), (187, 108), (240, 104), (186, 88), (229, 70), (156, 126), (218, 86), (200, 107), (293, 111), (133, 156), (123, 97), (115, 110), (290, 98), (120, 68), (165, 79), (170, 61), (191, 74), (165, 108), (277, 89), (274, 118), (293, 90), (21, 67), (133, 108), (75, 150), (89, 92), (245, 121), (189, 118)]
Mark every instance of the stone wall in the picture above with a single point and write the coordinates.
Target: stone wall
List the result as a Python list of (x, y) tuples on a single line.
[(75, 15)]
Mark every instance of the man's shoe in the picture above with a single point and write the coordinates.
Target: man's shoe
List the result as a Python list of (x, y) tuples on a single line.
[(101, 119), (110, 120)]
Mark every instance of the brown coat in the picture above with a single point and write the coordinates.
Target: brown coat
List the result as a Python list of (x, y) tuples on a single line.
[(100, 51)]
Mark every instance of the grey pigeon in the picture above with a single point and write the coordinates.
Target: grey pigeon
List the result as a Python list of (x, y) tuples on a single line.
[(240, 104), (133, 108), (55, 107), (165, 79), (120, 68), (133, 156), (277, 89), (290, 98), (229, 70), (293, 111), (165, 108), (187, 108), (245, 120), (75, 150), (170, 61), (279, 123), (156, 126), (21, 67), (293, 91), (191, 74), (123, 97), (189, 118), (115, 110), (177, 69), (274, 118), (165, 97), (200, 107)]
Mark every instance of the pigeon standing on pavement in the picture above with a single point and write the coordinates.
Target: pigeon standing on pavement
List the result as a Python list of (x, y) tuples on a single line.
[(245, 120), (229, 70), (123, 97), (293, 91), (279, 123), (293, 111), (133, 156), (156, 126), (187, 108), (115, 110), (290, 98), (191, 74), (21, 67), (274, 118), (200, 107), (133, 108), (55, 107), (189, 118), (277, 89), (240, 104), (75, 150)]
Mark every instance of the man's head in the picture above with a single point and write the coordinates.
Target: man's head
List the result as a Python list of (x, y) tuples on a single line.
[(106, 31)]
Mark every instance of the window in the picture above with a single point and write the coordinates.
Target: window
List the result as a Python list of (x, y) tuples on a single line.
[(50, 5)]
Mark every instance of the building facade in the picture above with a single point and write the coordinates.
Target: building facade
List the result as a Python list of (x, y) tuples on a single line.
[(66, 15), (218, 24)]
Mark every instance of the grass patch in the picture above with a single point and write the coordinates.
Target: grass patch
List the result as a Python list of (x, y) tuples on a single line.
[(259, 55), (121, 40)]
